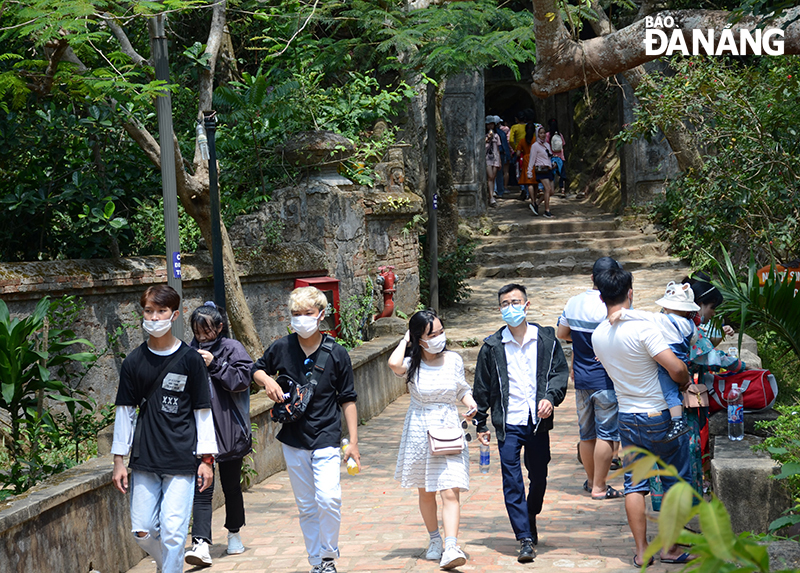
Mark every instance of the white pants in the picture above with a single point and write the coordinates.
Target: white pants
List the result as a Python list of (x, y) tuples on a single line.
[(160, 507), (314, 475)]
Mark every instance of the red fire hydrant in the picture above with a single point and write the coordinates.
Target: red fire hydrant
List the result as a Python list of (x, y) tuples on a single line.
[(387, 280)]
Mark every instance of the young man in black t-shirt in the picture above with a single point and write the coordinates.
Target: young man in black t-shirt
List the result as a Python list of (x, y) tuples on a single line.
[(168, 382), (311, 444)]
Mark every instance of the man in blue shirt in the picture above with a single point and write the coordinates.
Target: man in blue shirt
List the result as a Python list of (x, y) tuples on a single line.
[(594, 391)]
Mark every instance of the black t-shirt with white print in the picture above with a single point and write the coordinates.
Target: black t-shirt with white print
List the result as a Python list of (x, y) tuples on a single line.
[(321, 425), (168, 438)]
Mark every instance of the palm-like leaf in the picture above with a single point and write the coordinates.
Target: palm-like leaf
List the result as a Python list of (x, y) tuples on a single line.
[(773, 305)]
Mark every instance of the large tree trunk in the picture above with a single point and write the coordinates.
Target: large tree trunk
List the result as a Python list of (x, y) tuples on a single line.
[(680, 140), (193, 190), (448, 194), (563, 63)]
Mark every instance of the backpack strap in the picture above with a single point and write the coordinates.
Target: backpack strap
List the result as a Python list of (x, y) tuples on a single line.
[(322, 359), (184, 348)]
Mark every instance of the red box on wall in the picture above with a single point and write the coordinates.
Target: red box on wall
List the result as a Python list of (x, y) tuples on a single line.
[(330, 287)]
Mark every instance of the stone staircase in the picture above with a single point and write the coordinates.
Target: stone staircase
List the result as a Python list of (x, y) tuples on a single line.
[(519, 244), (553, 258)]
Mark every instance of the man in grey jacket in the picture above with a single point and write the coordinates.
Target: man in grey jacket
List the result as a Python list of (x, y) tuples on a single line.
[(521, 375)]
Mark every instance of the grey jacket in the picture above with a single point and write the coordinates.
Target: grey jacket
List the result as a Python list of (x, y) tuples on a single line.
[(491, 379)]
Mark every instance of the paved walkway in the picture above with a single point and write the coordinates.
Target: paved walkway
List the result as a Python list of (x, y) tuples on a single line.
[(382, 529)]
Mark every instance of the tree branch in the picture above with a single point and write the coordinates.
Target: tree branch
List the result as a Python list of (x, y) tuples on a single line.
[(124, 43), (206, 88), (563, 64), (57, 48), (70, 57), (145, 140)]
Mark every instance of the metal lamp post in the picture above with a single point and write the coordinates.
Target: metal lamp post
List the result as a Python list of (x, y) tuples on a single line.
[(210, 124)]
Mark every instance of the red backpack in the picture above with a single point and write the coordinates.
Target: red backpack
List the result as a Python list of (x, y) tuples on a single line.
[(759, 390)]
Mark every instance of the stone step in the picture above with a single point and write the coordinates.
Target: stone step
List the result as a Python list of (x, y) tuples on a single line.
[(556, 243), (568, 266), (542, 226), (488, 240), (587, 254)]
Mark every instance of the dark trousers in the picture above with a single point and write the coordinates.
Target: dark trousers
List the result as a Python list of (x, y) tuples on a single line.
[(523, 512), (229, 474)]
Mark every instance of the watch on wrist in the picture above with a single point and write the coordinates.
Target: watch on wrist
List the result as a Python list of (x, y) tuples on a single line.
[(208, 459)]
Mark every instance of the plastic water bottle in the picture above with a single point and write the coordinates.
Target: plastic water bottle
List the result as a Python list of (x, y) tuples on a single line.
[(484, 459), (735, 414), (352, 466)]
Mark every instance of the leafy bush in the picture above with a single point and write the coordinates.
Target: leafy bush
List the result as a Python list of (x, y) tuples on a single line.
[(744, 118), (783, 444), (454, 269), (354, 314)]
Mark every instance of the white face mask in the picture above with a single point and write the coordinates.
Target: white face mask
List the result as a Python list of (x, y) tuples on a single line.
[(157, 328), (305, 325), (436, 344)]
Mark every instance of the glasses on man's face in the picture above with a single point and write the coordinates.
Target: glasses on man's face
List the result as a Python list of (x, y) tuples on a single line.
[(515, 303)]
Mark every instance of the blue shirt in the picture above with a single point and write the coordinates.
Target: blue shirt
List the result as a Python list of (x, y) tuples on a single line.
[(583, 314)]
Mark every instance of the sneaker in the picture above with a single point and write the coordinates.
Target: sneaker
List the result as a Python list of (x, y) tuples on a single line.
[(198, 554), (434, 552), (235, 545), (548, 214), (327, 567), (677, 428), (452, 557), (535, 208), (526, 551)]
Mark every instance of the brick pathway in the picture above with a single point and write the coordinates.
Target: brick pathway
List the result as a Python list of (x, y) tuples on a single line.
[(382, 529)]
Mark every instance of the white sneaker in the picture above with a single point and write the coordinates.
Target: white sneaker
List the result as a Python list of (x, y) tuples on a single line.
[(235, 545), (198, 554), (452, 557), (434, 550)]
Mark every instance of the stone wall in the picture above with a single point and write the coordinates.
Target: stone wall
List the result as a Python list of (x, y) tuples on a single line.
[(345, 233), (78, 520)]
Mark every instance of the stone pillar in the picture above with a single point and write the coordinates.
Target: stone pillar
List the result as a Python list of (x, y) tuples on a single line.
[(646, 165), (462, 114)]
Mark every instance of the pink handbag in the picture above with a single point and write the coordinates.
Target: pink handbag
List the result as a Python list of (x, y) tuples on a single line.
[(445, 441)]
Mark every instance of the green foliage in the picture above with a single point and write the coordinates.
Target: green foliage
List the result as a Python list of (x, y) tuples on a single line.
[(783, 444), (777, 357), (773, 306), (147, 224), (454, 269), (354, 314), (717, 548), (26, 380), (744, 117)]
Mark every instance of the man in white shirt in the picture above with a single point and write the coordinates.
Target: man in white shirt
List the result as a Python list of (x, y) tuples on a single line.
[(521, 375), (168, 381), (631, 351)]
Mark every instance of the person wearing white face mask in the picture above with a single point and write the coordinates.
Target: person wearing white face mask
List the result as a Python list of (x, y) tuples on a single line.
[(521, 375), (168, 382), (311, 443), (436, 383)]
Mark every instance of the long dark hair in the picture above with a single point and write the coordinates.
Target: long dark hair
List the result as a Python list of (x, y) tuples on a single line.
[(530, 131), (553, 125), (208, 318), (421, 323), (704, 291)]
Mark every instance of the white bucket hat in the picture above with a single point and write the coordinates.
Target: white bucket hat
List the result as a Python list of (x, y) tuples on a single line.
[(678, 297)]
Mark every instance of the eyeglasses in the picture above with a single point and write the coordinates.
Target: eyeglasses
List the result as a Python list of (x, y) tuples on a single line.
[(514, 303)]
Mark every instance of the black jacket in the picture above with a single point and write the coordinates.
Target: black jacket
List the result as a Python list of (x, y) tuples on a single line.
[(229, 374), (491, 379)]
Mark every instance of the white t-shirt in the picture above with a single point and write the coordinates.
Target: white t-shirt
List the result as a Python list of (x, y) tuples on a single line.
[(626, 351), (521, 362), (674, 332)]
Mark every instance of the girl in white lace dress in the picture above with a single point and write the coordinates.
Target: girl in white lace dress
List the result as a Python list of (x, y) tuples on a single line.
[(436, 384)]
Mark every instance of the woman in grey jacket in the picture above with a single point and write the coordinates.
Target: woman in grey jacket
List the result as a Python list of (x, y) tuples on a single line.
[(229, 376)]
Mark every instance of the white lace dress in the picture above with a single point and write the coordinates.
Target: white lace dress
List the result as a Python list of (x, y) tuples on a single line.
[(434, 395)]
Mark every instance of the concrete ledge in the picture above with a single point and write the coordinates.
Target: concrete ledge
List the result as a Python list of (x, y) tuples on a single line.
[(718, 423), (742, 480), (78, 518)]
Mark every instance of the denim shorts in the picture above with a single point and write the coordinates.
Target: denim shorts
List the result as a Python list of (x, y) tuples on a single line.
[(597, 414), (649, 431)]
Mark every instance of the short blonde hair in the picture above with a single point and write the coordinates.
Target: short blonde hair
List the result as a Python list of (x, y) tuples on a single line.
[(307, 297)]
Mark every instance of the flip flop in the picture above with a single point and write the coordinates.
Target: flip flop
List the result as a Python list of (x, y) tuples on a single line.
[(611, 493), (615, 464), (680, 559), (639, 565), (586, 486)]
